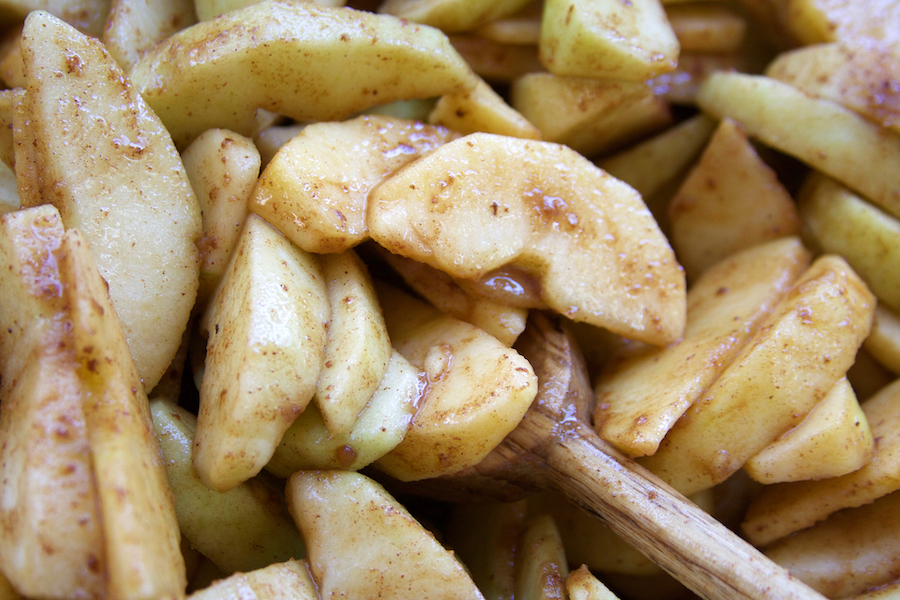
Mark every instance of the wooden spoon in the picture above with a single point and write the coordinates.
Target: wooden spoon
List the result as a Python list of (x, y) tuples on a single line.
[(554, 448)]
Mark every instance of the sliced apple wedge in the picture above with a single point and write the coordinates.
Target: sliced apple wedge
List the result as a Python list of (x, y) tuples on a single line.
[(485, 203), (315, 197), (855, 75), (357, 349), (607, 39), (141, 534), (481, 109), (289, 580), (839, 221), (477, 392), (382, 424), (300, 59), (500, 319), (134, 26), (242, 529), (87, 143), (823, 134), (49, 512), (784, 508), (361, 539), (452, 15), (223, 168), (265, 351), (762, 393), (591, 116), (709, 215), (541, 566), (834, 439)]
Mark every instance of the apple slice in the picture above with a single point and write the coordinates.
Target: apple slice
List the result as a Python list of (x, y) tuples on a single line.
[(357, 348), (300, 59), (498, 318), (360, 539), (140, 530), (607, 39), (265, 351), (783, 508), (486, 203), (452, 15), (823, 134), (49, 513), (242, 529), (834, 439), (591, 116), (481, 109), (762, 393), (838, 221), (223, 168), (289, 580), (87, 143), (134, 26), (855, 75), (541, 566), (382, 424), (315, 197), (709, 214), (477, 392)]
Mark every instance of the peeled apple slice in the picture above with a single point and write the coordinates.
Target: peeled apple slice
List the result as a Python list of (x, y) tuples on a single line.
[(300, 59), (536, 215), (89, 144), (361, 539)]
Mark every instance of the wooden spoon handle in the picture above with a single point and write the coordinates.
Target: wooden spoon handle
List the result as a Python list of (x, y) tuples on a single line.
[(671, 531)]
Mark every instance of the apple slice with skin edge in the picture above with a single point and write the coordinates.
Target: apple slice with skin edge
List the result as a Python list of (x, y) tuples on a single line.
[(762, 394), (713, 199), (219, 72), (855, 75), (242, 529), (382, 424), (838, 221), (452, 15), (541, 566), (133, 27), (883, 342), (784, 508), (485, 203), (289, 580), (223, 168), (265, 351), (87, 143), (823, 134), (499, 319), (553, 448)]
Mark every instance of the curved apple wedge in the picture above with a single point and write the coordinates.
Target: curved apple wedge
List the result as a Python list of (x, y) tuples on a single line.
[(357, 349), (303, 60), (361, 539), (539, 213), (477, 389), (87, 143), (312, 194), (267, 336)]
